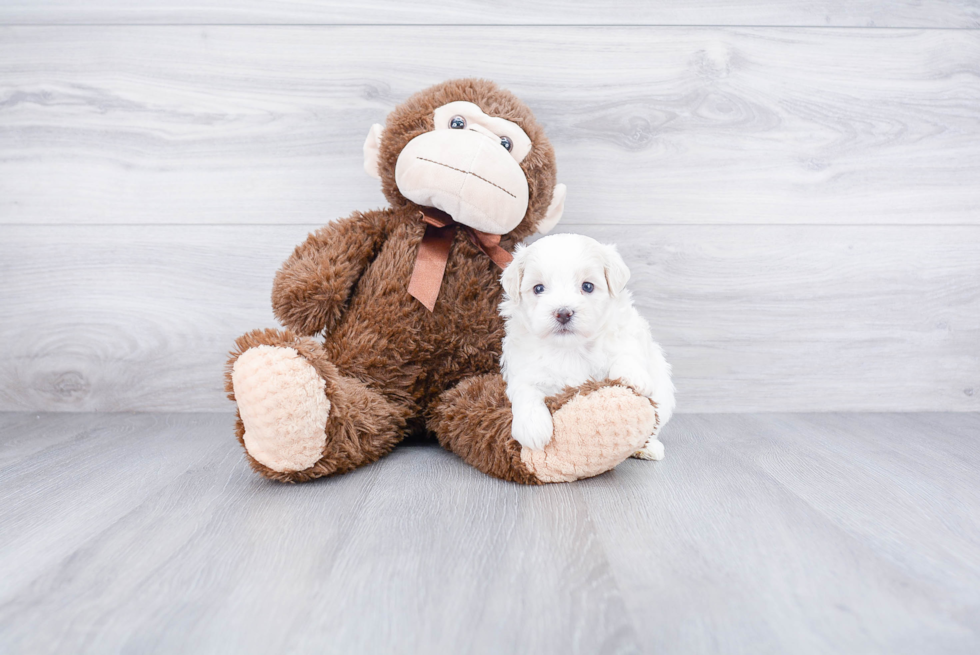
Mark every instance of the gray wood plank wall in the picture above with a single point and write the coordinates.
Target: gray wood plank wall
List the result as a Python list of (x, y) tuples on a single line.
[(814, 13), (796, 185)]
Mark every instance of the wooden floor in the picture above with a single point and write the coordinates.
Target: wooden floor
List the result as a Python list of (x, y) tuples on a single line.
[(778, 533)]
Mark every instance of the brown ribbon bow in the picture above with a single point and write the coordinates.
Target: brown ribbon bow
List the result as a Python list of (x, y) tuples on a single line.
[(430, 263)]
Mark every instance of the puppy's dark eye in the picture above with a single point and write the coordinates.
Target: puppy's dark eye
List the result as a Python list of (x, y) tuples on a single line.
[(538, 289), (457, 122), (506, 143), (588, 287)]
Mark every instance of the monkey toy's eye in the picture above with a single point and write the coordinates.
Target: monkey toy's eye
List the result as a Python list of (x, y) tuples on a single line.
[(506, 143), (588, 287), (538, 289), (457, 122)]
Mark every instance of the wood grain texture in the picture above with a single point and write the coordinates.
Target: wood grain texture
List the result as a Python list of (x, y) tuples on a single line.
[(769, 508), (757, 534), (753, 318), (196, 125), (525, 575), (861, 13)]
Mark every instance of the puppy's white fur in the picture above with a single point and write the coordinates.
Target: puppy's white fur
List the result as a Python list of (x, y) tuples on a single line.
[(605, 337)]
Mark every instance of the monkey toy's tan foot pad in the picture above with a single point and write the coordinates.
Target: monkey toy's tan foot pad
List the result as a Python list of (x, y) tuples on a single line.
[(595, 430), (283, 405)]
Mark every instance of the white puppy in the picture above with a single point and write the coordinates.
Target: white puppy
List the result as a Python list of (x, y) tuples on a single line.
[(569, 318)]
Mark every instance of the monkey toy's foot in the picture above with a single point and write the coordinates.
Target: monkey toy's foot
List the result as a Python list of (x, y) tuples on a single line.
[(597, 426), (283, 405), (299, 417)]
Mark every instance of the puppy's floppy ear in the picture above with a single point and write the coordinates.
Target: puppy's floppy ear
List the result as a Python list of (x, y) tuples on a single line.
[(372, 150), (617, 273), (513, 275)]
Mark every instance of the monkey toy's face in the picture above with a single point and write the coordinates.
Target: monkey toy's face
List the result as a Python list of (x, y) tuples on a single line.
[(469, 165)]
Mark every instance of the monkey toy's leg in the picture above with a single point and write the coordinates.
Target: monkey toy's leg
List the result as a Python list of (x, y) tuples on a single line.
[(597, 426), (299, 418)]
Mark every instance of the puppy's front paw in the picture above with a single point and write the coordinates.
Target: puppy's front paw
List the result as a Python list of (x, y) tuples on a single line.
[(634, 376), (532, 427), (653, 450)]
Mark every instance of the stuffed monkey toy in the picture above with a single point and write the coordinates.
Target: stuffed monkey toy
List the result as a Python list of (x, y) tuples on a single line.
[(391, 315)]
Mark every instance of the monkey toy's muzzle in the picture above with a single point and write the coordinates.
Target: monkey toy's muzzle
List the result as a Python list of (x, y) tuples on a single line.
[(466, 174)]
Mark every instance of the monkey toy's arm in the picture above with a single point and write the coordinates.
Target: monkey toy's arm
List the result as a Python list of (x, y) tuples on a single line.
[(311, 289)]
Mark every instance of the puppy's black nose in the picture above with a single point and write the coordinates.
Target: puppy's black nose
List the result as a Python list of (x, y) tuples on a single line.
[(564, 315)]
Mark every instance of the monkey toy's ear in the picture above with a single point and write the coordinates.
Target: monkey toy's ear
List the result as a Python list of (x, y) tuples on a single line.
[(555, 209), (372, 150)]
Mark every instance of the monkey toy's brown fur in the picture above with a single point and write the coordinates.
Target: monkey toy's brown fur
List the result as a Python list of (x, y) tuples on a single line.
[(391, 367)]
